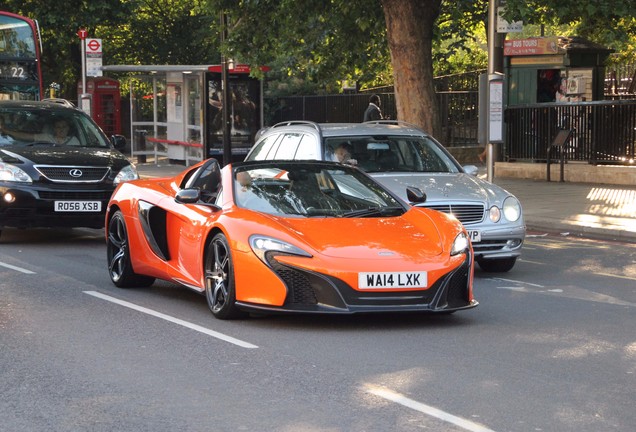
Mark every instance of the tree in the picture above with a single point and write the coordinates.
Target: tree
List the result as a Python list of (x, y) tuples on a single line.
[(607, 22), (133, 32), (314, 43), (343, 39), (59, 23), (409, 26)]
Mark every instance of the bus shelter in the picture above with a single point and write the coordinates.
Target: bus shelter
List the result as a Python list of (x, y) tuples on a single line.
[(176, 111)]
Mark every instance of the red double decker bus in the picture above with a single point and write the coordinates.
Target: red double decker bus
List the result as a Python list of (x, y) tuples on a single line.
[(20, 67)]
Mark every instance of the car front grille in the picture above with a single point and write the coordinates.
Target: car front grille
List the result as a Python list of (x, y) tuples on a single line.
[(300, 289), (76, 195), (73, 174), (465, 213), (489, 246), (457, 293)]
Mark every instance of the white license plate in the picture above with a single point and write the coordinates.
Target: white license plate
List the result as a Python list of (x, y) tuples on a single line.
[(395, 280), (474, 236), (78, 206)]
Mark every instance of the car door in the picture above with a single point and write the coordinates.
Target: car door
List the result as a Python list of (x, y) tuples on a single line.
[(186, 225)]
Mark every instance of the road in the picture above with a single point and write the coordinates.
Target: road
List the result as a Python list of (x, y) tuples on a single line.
[(551, 347)]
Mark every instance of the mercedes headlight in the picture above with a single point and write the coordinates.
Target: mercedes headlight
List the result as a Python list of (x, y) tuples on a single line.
[(127, 173), (12, 173), (512, 209), (494, 214)]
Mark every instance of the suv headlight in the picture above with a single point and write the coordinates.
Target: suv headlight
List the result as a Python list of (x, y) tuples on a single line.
[(512, 209), (460, 244), (127, 173), (12, 173)]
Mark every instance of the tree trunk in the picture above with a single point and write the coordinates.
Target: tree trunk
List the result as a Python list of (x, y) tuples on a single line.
[(409, 26)]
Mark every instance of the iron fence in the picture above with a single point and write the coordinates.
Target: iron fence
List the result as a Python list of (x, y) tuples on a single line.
[(458, 112), (603, 132)]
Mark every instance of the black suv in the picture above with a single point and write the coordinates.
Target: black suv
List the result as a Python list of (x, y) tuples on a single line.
[(57, 167)]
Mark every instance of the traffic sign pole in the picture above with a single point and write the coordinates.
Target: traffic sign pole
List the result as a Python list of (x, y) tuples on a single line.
[(82, 33)]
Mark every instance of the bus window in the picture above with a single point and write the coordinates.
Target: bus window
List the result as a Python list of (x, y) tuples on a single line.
[(20, 73)]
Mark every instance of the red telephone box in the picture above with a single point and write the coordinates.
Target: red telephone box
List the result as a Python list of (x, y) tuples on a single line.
[(105, 103)]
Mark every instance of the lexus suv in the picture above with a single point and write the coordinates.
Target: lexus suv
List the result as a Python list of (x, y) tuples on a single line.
[(51, 181), (399, 155)]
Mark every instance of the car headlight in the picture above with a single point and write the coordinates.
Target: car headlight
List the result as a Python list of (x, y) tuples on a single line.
[(494, 214), (127, 173), (262, 244), (12, 173), (512, 209), (460, 244)]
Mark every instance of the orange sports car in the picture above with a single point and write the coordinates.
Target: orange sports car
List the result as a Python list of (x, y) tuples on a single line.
[(288, 236)]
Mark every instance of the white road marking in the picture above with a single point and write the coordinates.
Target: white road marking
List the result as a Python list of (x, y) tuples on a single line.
[(20, 269), (573, 292), (427, 409), (174, 320), (532, 262), (615, 276), (518, 281)]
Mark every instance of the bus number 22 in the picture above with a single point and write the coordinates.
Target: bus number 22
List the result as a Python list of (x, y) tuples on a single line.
[(17, 72)]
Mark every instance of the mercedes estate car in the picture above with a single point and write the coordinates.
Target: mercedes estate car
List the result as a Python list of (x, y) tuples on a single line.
[(57, 167), (399, 155)]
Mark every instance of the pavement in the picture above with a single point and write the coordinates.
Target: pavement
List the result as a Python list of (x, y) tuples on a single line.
[(600, 211)]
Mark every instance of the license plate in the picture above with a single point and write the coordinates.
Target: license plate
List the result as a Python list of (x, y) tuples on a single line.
[(474, 235), (393, 280), (78, 206)]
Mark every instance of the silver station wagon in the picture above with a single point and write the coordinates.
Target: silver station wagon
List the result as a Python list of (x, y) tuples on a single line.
[(399, 155)]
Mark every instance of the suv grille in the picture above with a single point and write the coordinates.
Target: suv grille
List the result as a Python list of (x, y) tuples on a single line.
[(465, 213), (76, 195), (73, 174)]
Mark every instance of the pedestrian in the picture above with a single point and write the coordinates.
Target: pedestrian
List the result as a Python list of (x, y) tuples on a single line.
[(373, 110)]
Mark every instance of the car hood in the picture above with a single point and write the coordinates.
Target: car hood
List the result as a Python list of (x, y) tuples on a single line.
[(411, 237), (444, 187), (64, 155)]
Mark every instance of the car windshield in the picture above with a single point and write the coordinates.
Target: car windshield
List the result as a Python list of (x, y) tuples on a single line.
[(390, 153), (312, 190), (37, 126)]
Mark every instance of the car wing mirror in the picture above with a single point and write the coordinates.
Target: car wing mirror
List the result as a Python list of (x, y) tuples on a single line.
[(415, 195), (193, 196), (471, 170), (118, 141), (188, 196)]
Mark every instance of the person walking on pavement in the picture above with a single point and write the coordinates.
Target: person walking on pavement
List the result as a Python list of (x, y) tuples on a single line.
[(373, 110)]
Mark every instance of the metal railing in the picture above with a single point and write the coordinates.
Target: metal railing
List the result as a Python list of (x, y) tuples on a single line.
[(458, 112), (603, 132)]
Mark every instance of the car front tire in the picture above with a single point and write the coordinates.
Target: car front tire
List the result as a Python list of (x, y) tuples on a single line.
[(118, 253), (219, 279), (500, 265)]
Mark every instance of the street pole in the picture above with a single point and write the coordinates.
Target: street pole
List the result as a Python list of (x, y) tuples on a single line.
[(492, 34), (83, 66), (495, 74), (226, 102)]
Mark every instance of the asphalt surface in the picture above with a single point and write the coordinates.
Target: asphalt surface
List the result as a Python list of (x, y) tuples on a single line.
[(565, 208)]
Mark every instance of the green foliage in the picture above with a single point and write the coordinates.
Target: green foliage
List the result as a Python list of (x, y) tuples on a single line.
[(132, 32), (311, 46)]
